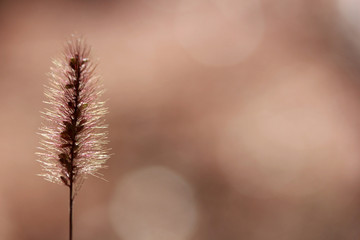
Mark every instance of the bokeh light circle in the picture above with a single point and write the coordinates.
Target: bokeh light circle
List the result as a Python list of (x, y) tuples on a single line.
[(350, 20), (221, 32), (293, 137), (153, 203)]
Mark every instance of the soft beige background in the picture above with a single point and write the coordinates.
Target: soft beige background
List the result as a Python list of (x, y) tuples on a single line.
[(229, 119)]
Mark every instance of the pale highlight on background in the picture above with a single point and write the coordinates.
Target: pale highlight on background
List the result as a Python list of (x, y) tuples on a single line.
[(299, 112), (220, 33), (154, 203)]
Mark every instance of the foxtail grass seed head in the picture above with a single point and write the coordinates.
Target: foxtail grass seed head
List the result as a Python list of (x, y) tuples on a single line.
[(74, 135)]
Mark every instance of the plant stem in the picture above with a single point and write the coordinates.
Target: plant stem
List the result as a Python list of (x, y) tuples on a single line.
[(76, 67), (71, 211)]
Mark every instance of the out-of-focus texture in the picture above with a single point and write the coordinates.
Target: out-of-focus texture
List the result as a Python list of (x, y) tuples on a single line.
[(229, 119)]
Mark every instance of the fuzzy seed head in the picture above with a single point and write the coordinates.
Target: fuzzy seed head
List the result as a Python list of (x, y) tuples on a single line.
[(74, 135)]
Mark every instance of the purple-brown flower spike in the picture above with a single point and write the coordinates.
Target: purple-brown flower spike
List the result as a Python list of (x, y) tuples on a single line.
[(74, 135)]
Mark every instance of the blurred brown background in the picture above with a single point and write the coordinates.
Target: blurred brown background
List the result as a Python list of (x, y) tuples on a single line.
[(229, 119)]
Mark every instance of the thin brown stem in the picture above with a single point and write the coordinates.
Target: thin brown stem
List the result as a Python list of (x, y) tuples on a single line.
[(76, 67), (71, 211)]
